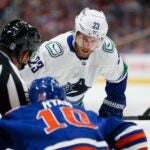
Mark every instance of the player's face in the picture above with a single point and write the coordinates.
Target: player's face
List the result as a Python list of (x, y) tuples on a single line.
[(85, 45)]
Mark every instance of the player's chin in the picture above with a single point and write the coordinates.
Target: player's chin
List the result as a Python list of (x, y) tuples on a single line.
[(85, 55)]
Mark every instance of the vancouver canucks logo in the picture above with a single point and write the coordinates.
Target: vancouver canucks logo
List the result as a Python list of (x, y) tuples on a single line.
[(108, 45), (54, 48)]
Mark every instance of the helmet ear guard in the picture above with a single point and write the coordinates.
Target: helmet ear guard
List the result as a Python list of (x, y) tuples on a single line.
[(12, 46), (92, 23)]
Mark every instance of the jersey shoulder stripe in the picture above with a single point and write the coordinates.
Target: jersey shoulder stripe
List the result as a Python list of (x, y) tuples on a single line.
[(78, 141), (70, 43)]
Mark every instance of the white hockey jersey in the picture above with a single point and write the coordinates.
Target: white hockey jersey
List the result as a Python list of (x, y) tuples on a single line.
[(57, 58)]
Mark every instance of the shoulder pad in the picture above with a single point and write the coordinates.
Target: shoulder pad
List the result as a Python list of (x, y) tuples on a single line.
[(54, 48), (108, 45)]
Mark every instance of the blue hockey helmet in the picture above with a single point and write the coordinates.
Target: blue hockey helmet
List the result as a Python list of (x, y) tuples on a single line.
[(45, 89)]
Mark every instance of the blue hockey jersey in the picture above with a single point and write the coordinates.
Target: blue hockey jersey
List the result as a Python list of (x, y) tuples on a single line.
[(55, 124)]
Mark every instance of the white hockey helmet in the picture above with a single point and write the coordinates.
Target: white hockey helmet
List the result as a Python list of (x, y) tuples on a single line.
[(92, 23)]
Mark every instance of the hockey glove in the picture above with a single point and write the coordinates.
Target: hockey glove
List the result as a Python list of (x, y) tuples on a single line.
[(111, 108), (75, 89), (75, 92), (115, 101)]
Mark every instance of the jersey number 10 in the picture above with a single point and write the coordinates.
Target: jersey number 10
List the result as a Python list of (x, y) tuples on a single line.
[(71, 116)]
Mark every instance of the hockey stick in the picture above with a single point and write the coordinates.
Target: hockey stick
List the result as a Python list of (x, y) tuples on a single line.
[(145, 116), (147, 112), (136, 118)]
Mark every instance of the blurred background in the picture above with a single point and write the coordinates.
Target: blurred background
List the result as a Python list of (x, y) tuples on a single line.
[(129, 20), (129, 28)]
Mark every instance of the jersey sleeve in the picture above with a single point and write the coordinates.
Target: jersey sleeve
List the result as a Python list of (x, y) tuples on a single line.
[(3, 144), (115, 73), (114, 68), (5, 140), (120, 134)]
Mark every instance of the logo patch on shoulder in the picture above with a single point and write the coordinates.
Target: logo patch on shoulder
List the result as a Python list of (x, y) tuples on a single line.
[(108, 46), (54, 48)]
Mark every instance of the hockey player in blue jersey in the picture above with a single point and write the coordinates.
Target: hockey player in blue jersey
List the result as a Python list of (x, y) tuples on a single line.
[(52, 123)]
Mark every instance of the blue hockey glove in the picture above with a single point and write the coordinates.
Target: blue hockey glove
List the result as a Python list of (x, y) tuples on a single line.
[(115, 101), (111, 108)]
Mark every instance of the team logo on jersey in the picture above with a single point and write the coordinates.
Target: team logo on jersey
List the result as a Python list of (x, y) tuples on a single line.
[(108, 46), (54, 48)]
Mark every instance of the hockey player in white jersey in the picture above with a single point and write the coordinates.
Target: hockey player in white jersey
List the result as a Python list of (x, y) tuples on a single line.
[(77, 58)]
